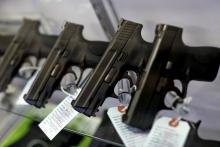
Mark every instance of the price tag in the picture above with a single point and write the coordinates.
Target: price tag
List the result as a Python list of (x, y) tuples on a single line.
[(166, 132), (131, 137), (59, 117)]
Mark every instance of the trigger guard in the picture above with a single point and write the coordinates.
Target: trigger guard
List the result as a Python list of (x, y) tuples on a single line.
[(177, 91), (181, 93), (131, 76)]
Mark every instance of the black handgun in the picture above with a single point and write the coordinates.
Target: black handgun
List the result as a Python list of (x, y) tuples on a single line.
[(28, 41), (170, 60), (126, 51), (5, 40), (70, 49)]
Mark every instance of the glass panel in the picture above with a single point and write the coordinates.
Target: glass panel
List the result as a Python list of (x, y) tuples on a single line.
[(81, 124)]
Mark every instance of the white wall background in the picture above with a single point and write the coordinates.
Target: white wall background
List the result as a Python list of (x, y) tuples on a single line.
[(54, 14)]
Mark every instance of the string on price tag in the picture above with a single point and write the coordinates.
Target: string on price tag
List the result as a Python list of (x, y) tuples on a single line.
[(171, 132), (59, 117), (168, 132)]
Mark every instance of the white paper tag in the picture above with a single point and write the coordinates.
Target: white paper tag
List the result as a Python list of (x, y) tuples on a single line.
[(131, 137), (164, 134), (59, 117)]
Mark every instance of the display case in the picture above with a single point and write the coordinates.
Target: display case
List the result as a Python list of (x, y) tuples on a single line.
[(200, 21)]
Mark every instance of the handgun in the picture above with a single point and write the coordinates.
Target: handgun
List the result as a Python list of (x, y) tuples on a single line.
[(28, 41), (126, 51), (170, 60), (71, 48), (4, 43)]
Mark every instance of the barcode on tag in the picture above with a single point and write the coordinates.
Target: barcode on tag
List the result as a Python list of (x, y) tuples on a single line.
[(58, 118), (165, 135), (131, 137)]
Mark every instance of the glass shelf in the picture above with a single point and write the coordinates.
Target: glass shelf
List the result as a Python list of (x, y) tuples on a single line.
[(100, 127), (81, 124)]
